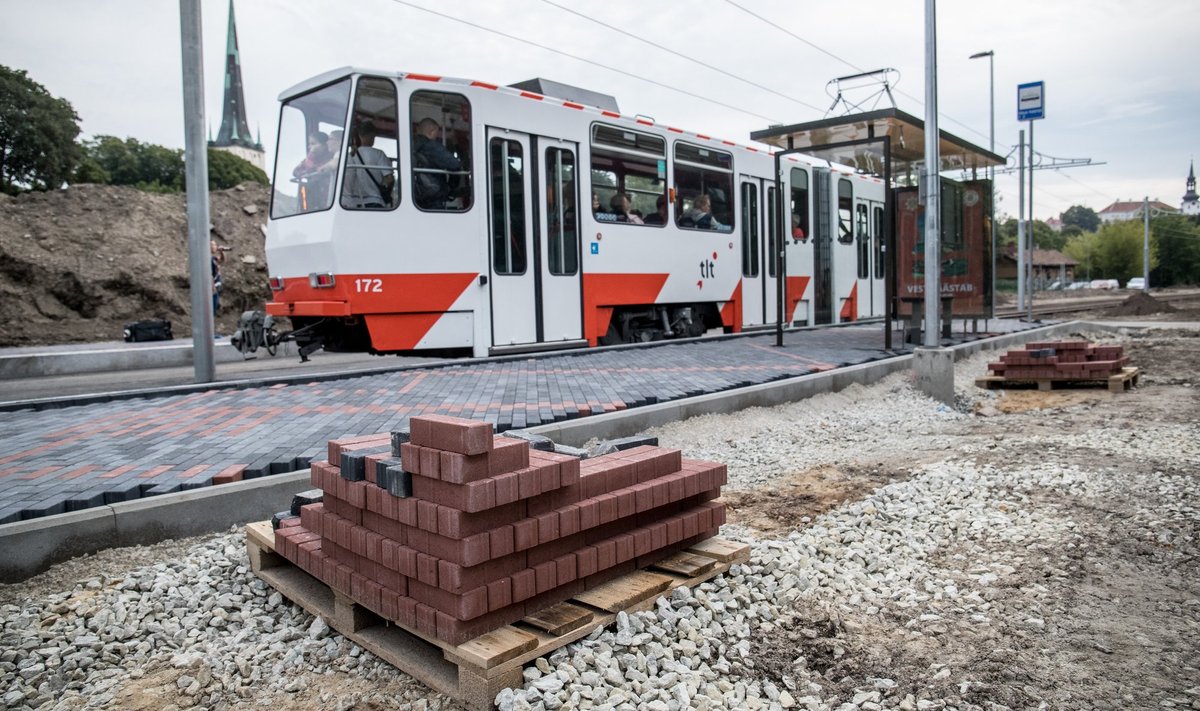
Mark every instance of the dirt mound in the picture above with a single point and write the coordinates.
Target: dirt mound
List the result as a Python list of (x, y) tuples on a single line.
[(76, 265), (1140, 304)]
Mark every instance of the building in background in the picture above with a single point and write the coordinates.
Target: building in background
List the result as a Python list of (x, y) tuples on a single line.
[(1191, 203), (234, 135), (1121, 211)]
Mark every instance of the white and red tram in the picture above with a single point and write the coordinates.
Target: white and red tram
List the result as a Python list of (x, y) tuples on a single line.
[(414, 212)]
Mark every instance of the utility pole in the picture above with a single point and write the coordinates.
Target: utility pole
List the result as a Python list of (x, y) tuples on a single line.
[(196, 173), (1146, 245), (1021, 222), (991, 54), (933, 365)]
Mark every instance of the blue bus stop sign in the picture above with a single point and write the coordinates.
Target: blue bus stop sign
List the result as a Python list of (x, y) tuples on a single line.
[(1031, 101)]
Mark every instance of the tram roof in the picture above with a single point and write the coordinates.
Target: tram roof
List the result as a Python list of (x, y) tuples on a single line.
[(908, 142)]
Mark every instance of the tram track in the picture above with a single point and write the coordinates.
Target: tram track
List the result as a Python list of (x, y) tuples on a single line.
[(1058, 306)]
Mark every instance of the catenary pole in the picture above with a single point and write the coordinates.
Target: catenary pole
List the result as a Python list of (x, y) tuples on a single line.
[(196, 176), (1029, 231), (933, 211)]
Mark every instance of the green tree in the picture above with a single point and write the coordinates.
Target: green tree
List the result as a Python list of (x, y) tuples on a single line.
[(1175, 241), (155, 168), (225, 170), (1082, 217), (1043, 236), (1115, 252), (37, 135)]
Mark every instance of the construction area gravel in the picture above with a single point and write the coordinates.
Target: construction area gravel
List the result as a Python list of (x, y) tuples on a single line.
[(1019, 550)]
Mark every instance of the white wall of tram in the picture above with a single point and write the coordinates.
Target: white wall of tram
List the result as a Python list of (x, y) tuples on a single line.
[(407, 240)]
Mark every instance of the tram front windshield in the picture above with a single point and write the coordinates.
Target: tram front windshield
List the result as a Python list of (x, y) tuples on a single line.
[(311, 137)]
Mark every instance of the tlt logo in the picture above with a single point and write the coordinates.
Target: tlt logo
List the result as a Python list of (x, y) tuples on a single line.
[(708, 269)]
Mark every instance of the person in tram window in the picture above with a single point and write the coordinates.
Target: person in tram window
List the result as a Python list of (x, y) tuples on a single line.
[(619, 203), (700, 214), (431, 163), (318, 155), (660, 217), (797, 230), (367, 187)]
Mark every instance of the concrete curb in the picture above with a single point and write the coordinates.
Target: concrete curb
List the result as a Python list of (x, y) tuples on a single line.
[(29, 547), (41, 364)]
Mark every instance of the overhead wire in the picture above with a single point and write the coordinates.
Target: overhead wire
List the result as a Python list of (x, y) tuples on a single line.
[(584, 60), (847, 62), (704, 64)]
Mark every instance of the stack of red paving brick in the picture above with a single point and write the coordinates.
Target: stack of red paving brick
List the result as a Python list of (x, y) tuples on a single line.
[(467, 531), (1061, 360)]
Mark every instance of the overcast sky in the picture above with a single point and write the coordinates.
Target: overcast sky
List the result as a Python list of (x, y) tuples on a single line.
[(1122, 79)]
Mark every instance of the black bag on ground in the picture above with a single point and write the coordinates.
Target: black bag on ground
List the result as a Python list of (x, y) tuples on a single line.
[(150, 329)]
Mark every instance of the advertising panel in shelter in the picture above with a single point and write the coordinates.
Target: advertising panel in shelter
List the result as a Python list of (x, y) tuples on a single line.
[(966, 243)]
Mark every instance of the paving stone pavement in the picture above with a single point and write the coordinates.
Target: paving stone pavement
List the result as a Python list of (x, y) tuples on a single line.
[(73, 458)]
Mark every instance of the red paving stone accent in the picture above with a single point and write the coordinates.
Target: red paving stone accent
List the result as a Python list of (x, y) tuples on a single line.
[(495, 530)]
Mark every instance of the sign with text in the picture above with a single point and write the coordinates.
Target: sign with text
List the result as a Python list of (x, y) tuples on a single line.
[(1031, 101), (966, 246)]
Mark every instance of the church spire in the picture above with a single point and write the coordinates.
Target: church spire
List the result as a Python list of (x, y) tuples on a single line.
[(235, 131), (1191, 202)]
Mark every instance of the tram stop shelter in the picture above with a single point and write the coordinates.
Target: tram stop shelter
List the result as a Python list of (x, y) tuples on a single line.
[(890, 144)]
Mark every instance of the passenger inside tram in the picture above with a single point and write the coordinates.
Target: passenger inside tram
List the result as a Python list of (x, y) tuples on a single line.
[(619, 204), (369, 179), (659, 217), (700, 215), (432, 166)]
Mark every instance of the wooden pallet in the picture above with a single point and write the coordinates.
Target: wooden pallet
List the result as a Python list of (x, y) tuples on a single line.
[(474, 672), (1126, 379)]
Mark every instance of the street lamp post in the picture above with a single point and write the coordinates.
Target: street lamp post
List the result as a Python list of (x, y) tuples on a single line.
[(990, 54)]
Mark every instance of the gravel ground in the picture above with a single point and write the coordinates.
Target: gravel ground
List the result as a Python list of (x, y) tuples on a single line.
[(1020, 550)]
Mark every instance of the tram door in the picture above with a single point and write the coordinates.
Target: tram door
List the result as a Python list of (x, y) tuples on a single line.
[(759, 235), (824, 226), (533, 239), (868, 242)]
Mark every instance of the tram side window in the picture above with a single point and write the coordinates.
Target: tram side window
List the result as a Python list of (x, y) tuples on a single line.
[(441, 151), (369, 181), (799, 207), (310, 148), (879, 243), (563, 243), (703, 188), (864, 243), (749, 230), (507, 165), (845, 209), (629, 176)]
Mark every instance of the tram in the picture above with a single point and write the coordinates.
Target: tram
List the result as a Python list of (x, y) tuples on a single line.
[(413, 212)]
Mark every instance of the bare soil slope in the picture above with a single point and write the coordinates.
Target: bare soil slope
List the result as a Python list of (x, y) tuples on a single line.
[(76, 265)]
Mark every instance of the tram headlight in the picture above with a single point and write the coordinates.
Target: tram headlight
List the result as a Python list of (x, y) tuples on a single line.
[(276, 283)]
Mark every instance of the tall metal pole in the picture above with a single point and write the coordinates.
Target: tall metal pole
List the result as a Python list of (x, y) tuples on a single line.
[(1029, 232), (1021, 222), (1146, 245), (196, 175), (933, 188)]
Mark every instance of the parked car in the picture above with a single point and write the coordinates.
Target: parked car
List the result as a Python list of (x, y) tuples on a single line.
[(1105, 284), (1056, 286), (1138, 283), (1076, 285)]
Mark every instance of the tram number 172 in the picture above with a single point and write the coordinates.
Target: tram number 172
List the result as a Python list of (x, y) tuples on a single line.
[(363, 286)]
